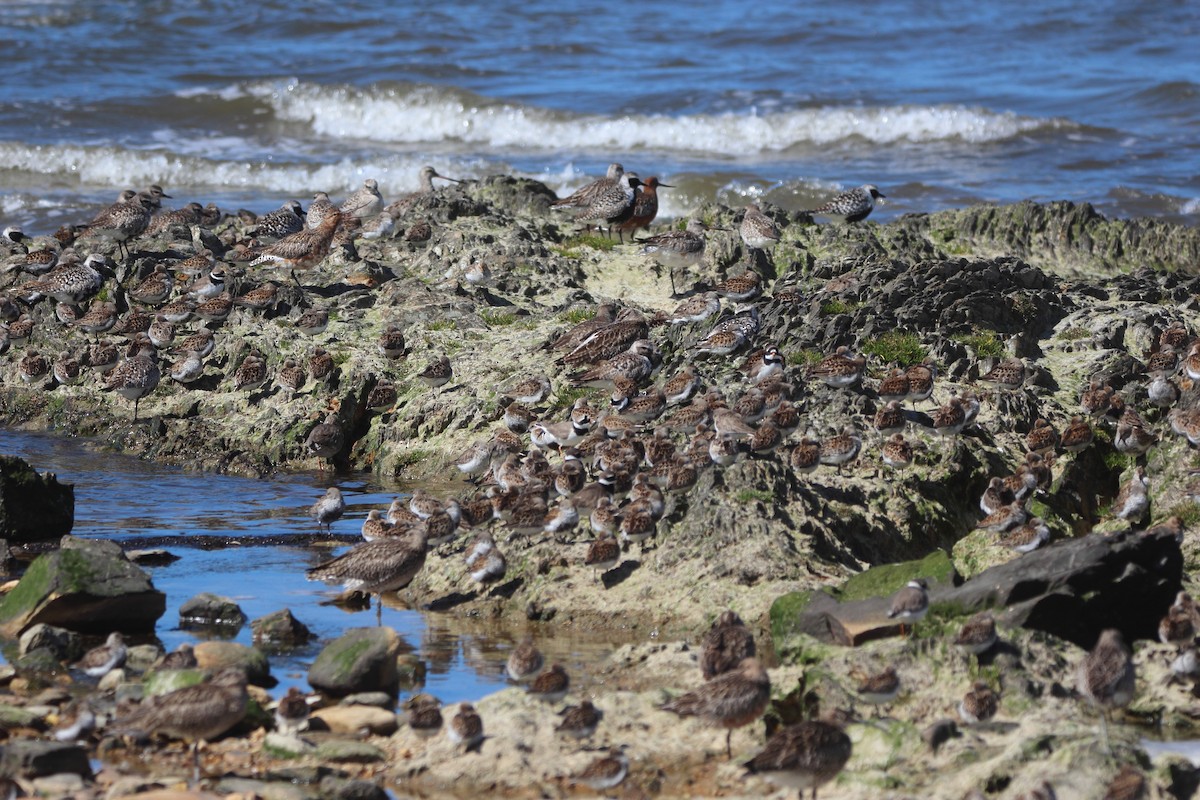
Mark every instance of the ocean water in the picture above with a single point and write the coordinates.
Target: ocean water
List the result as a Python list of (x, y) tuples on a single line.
[(941, 104)]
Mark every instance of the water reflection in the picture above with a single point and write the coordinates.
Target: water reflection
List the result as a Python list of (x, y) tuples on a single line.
[(127, 499)]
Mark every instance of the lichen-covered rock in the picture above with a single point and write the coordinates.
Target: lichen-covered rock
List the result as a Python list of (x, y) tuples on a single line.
[(33, 506), (215, 656), (360, 660), (88, 586)]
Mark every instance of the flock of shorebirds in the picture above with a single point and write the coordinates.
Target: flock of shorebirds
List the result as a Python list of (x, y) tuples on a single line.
[(608, 470)]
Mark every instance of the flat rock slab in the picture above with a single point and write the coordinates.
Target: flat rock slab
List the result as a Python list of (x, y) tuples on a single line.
[(1072, 589)]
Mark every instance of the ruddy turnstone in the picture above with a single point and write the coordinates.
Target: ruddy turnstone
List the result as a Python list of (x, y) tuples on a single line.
[(854, 205), (291, 712), (730, 700)]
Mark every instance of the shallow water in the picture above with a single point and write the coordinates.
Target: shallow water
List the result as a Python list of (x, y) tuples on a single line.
[(939, 103), (124, 499)]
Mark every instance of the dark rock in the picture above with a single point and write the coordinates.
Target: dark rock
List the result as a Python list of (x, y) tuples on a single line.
[(361, 660), (33, 506), (1073, 590), (207, 610), (280, 629), (66, 645), (86, 586), (342, 789), (33, 759)]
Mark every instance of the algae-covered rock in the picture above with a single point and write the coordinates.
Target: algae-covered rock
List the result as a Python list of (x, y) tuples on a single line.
[(215, 656), (360, 660), (30, 759), (33, 506), (88, 586)]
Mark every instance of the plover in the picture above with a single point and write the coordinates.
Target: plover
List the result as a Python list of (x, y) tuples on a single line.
[(854, 205)]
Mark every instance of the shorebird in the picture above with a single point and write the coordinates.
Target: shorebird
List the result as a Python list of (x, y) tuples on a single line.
[(730, 700), (466, 727), (583, 197), (854, 205), (194, 713), (328, 509), (99, 661), (425, 188), (581, 721), (325, 440), (677, 249), (524, 662), (806, 755), (550, 686), (366, 202), (135, 377), (124, 221), (645, 207), (302, 250), (283, 222), (910, 604), (424, 715), (384, 565), (757, 230), (614, 206), (1106, 676), (606, 772), (727, 643)]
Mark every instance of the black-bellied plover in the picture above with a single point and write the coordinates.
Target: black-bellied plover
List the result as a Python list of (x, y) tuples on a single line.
[(854, 205)]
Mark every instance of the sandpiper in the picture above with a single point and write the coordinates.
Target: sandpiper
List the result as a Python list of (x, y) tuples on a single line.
[(978, 634), (605, 552), (328, 509), (466, 727), (550, 686), (879, 688), (730, 700), (424, 715), (1106, 676), (325, 440), (524, 662), (677, 250), (291, 712), (727, 643), (806, 755), (99, 661), (437, 373), (979, 704), (135, 377), (645, 207), (606, 772), (366, 202), (757, 230), (581, 721)]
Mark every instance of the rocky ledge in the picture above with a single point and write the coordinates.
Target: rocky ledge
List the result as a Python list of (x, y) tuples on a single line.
[(1030, 314)]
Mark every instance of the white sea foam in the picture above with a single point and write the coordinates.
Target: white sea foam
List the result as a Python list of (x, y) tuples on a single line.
[(120, 167), (426, 114)]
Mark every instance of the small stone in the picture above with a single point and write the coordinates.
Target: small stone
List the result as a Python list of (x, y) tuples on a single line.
[(207, 610), (349, 751), (280, 629), (357, 719), (66, 645), (214, 656)]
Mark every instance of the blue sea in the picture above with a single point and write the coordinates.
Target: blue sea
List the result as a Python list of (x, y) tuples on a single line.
[(942, 104)]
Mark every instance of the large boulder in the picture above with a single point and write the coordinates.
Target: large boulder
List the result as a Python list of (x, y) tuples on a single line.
[(87, 585), (34, 506), (1073, 589), (360, 660)]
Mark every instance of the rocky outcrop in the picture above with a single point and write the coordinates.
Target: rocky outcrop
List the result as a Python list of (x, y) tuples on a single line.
[(88, 586), (1073, 590), (34, 506)]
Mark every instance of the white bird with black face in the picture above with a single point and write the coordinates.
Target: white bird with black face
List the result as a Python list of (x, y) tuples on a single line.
[(855, 205)]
